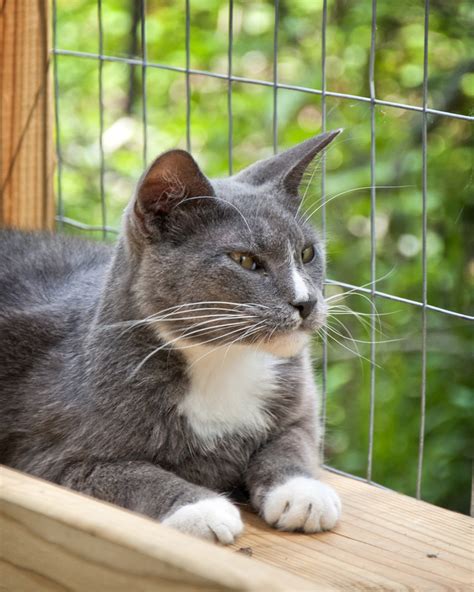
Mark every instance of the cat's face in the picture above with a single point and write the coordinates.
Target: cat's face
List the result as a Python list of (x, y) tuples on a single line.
[(229, 261)]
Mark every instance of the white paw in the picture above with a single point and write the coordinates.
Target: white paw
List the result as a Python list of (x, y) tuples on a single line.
[(214, 518), (302, 504)]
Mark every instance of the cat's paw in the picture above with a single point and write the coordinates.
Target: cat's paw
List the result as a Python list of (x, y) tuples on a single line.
[(213, 518), (302, 504)]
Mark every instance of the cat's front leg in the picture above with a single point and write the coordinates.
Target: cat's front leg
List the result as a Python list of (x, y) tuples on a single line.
[(284, 490), (160, 494)]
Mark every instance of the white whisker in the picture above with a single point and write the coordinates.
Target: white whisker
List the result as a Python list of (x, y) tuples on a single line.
[(355, 353), (168, 318), (359, 340), (217, 199), (332, 197), (186, 336)]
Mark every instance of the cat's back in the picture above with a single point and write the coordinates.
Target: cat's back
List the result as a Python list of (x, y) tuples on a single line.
[(49, 285), (38, 269)]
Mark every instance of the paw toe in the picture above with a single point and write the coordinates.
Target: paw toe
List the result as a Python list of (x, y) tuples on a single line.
[(211, 519), (302, 504)]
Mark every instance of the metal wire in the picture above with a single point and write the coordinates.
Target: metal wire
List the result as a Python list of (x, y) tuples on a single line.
[(324, 360), (372, 101), (144, 80), (230, 116), (275, 77), (279, 85), (81, 226), (424, 189), (57, 120), (355, 477), (354, 288), (373, 251), (103, 205), (188, 77)]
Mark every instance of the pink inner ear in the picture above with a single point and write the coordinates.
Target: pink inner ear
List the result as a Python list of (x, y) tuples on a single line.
[(173, 177)]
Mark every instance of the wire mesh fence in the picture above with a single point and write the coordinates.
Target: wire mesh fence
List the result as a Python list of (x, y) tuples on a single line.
[(371, 290)]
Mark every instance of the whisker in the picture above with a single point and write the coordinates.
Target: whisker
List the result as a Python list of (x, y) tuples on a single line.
[(213, 327), (343, 309), (217, 199), (209, 318), (375, 281), (313, 173), (375, 312), (155, 320), (360, 340), (189, 331), (355, 353), (158, 317), (186, 336), (365, 324), (254, 328), (329, 199), (213, 339), (355, 291), (204, 302), (333, 330)]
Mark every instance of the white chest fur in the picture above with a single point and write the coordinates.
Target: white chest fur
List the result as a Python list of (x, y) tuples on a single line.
[(229, 389)]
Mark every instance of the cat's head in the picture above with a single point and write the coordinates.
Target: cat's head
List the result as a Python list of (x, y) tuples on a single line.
[(229, 260)]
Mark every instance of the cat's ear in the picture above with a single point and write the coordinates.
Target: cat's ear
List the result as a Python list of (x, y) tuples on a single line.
[(287, 168), (169, 181)]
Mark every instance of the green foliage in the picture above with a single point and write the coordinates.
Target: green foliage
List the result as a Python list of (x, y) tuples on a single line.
[(398, 220)]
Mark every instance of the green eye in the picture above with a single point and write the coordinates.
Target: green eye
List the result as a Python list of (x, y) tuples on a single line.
[(307, 254), (244, 260)]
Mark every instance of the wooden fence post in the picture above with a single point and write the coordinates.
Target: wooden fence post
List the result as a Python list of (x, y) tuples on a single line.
[(26, 152)]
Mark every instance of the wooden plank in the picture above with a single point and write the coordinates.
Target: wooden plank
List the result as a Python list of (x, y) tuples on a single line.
[(385, 541), (26, 153), (54, 539)]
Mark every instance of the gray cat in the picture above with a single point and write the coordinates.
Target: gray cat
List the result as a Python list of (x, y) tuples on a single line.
[(173, 369)]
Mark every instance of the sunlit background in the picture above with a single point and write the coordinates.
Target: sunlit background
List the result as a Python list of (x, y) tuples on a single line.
[(398, 78)]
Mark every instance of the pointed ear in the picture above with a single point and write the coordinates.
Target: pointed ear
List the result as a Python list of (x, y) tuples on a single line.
[(170, 179), (287, 168)]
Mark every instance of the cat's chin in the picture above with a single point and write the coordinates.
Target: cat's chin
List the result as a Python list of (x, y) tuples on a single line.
[(286, 345)]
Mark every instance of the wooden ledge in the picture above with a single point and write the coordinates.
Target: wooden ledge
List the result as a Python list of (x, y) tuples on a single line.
[(55, 539), (385, 541)]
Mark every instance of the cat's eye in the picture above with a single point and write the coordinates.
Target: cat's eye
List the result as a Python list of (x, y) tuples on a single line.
[(245, 260), (307, 254)]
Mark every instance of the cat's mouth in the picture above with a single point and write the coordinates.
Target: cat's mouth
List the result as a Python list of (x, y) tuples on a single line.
[(285, 345), (289, 339)]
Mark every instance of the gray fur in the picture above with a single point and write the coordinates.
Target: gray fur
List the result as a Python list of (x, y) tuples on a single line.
[(75, 409)]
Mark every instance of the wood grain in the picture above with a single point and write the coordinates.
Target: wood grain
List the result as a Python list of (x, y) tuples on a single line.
[(385, 541), (56, 540), (26, 152)]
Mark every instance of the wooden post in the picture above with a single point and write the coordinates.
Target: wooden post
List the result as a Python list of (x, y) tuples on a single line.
[(26, 153)]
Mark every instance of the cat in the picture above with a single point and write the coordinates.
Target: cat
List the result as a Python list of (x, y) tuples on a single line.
[(172, 370)]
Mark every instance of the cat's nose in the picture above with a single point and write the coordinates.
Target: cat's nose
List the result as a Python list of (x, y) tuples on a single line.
[(305, 307)]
